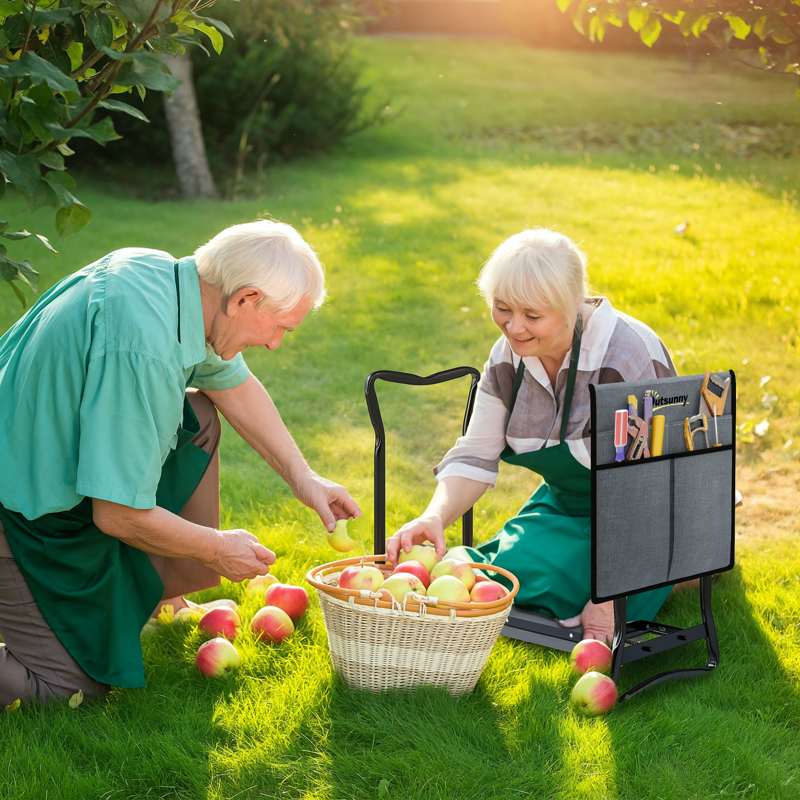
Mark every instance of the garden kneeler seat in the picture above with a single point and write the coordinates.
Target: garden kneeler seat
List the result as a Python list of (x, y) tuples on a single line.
[(655, 521)]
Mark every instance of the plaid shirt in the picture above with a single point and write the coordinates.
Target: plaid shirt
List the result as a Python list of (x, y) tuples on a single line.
[(614, 347)]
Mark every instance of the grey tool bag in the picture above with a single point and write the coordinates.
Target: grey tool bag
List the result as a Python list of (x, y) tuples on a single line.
[(667, 518)]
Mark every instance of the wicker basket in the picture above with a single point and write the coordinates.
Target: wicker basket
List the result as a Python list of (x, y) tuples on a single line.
[(376, 644)]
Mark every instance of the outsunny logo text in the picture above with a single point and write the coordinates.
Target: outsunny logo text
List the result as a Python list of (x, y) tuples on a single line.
[(675, 400)]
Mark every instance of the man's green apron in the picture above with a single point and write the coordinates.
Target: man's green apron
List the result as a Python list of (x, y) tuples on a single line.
[(547, 545), (94, 591)]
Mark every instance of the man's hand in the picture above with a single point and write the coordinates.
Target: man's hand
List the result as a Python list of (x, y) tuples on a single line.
[(330, 500), (238, 555), (598, 621)]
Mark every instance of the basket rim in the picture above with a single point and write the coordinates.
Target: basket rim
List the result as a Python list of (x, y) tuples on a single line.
[(471, 609)]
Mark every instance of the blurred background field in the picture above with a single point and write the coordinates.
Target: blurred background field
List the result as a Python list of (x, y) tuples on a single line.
[(679, 180)]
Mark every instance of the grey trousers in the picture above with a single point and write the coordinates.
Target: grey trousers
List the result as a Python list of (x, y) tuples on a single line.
[(33, 663)]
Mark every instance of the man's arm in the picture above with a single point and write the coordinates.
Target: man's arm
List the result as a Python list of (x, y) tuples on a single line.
[(250, 411)]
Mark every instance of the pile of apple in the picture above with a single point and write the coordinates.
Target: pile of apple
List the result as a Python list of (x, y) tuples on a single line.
[(284, 605), (594, 693), (420, 571)]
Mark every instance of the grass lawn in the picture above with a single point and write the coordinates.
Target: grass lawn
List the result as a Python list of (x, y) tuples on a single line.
[(482, 139)]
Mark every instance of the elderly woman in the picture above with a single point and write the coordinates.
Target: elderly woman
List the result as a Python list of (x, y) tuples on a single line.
[(109, 485), (532, 410)]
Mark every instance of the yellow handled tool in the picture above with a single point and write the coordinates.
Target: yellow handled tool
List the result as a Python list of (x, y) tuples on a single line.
[(715, 394), (692, 425)]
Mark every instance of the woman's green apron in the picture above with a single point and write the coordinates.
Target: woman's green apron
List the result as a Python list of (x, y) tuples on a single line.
[(547, 545), (94, 591)]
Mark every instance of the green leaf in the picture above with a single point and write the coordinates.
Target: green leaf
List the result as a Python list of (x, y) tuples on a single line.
[(22, 171), (125, 108), (17, 235), (139, 11), (99, 29), (563, 5), (37, 70), (638, 17), (101, 132), (146, 69), (52, 160), (650, 32), (25, 235), (740, 28), (75, 53), (70, 219), (76, 699), (213, 34), (10, 7), (760, 27), (223, 28)]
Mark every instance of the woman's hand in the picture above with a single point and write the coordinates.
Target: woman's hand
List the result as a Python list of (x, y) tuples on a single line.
[(422, 529), (330, 500), (598, 621), (238, 555)]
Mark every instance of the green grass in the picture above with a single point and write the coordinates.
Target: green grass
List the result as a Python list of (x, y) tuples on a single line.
[(483, 139)]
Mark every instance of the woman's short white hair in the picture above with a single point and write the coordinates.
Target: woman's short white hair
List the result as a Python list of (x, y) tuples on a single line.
[(536, 268), (270, 256)]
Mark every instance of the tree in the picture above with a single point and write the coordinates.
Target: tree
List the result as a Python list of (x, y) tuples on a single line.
[(764, 32), (62, 65)]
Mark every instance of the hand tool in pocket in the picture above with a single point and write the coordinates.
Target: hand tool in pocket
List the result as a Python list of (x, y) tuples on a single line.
[(637, 430), (692, 425), (657, 435), (714, 394), (620, 433)]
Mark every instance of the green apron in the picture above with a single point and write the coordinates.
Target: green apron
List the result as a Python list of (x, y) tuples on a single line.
[(547, 545), (94, 591)]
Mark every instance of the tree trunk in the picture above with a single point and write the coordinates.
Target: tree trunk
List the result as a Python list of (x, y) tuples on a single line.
[(186, 133)]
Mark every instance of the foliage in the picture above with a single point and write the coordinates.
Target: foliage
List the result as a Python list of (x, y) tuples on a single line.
[(768, 30), (286, 85), (62, 63)]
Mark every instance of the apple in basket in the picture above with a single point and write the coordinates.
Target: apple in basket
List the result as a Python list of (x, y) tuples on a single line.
[(593, 694), (414, 568), (357, 577), (221, 622), (487, 591), (591, 654), (400, 584), (216, 656), (260, 584), (424, 553), (292, 599), (450, 589), (271, 624), (458, 569)]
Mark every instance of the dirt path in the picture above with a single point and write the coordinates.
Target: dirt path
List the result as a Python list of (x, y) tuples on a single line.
[(771, 503)]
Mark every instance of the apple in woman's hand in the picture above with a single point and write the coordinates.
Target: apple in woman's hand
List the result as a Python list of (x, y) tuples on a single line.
[(339, 539)]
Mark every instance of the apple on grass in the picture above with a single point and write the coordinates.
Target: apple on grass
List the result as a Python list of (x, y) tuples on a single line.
[(450, 589), (357, 577), (292, 599), (221, 622), (594, 694), (424, 553), (458, 569), (398, 585), (414, 568), (590, 654), (272, 624), (487, 591), (216, 656), (339, 539), (259, 584)]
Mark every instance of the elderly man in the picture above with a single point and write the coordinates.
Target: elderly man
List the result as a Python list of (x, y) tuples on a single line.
[(109, 487)]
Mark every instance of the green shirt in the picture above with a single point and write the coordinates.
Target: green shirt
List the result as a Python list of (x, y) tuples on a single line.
[(92, 382)]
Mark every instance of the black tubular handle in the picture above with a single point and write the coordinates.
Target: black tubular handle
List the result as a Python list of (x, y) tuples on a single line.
[(410, 379)]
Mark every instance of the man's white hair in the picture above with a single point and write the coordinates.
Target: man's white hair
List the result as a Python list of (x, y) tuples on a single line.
[(536, 268), (270, 256)]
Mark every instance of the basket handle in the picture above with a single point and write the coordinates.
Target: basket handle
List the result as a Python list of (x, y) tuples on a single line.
[(390, 376)]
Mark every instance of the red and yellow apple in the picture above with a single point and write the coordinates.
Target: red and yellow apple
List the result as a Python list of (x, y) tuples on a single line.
[(260, 584), (272, 624), (414, 568), (292, 599), (216, 656), (449, 588), (590, 654), (458, 569), (221, 622), (357, 577), (400, 584), (487, 591), (339, 539), (594, 694), (424, 553)]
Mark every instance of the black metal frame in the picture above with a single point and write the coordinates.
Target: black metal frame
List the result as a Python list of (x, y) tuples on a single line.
[(632, 641)]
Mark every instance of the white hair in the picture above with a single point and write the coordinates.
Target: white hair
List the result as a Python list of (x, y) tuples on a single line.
[(536, 268), (270, 256)]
